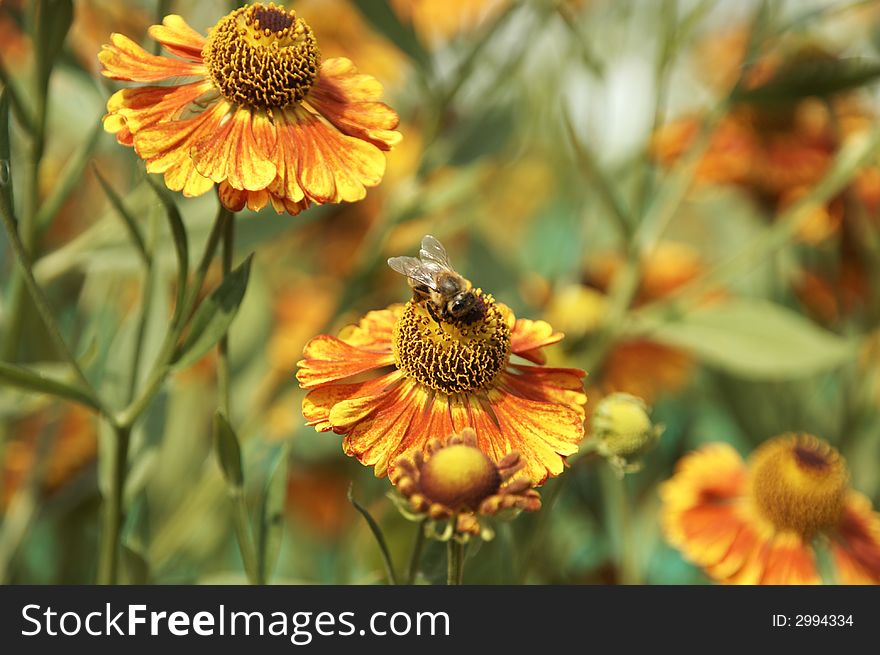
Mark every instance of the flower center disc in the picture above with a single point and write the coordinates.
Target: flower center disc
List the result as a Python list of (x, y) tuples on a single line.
[(799, 483), (459, 476), (262, 56), (452, 357)]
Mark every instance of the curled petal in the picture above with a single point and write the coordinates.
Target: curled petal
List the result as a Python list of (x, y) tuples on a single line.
[(123, 59), (350, 101), (179, 38)]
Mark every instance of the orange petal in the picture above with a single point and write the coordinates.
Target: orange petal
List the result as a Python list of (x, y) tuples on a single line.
[(331, 167), (124, 59), (165, 147), (542, 432), (789, 561), (856, 543), (745, 562), (386, 423), (490, 438), (319, 402), (179, 38), (328, 359), (350, 102), (374, 331), (528, 336), (147, 106), (240, 152), (554, 385)]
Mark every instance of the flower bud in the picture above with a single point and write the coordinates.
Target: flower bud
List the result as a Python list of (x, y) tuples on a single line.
[(623, 431)]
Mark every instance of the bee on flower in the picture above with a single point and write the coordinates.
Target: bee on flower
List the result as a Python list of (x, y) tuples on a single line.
[(451, 358)]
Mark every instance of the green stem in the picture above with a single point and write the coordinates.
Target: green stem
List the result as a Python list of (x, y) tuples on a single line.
[(415, 558), (114, 512), (619, 522), (540, 532), (43, 308), (162, 366), (377, 534), (454, 561), (243, 531), (223, 344)]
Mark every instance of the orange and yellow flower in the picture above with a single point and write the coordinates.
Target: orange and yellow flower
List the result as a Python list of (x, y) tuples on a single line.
[(263, 118), (761, 522), (401, 377)]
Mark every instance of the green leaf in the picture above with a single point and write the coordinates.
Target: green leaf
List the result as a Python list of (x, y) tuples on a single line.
[(820, 77), (181, 245), (228, 451), (131, 224), (385, 20), (23, 378), (5, 156), (54, 18), (214, 316), (272, 517), (754, 339)]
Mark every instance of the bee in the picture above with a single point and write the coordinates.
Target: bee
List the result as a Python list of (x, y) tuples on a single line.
[(447, 295)]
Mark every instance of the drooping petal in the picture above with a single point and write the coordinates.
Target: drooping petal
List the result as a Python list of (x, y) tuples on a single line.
[(528, 337), (328, 359), (319, 402), (855, 544), (331, 167), (350, 101), (383, 424), (146, 106), (554, 385), (239, 152), (165, 147), (544, 433), (789, 561), (179, 38), (123, 59)]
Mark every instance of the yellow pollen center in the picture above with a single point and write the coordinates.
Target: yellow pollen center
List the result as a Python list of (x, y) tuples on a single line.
[(452, 357), (262, 56), (459, 476), (799, 483)]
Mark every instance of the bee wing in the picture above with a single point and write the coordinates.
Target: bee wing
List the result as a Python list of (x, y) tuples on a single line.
[(414, 270), (433, 251)]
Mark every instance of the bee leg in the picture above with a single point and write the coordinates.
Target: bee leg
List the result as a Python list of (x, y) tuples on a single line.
[(430, 307)]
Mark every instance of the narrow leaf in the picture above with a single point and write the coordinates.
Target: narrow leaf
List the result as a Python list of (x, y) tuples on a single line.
[(181, 245), (5, 157), (214, 316), (754, 339), (819, 77), (23, 378), (382, 17), (272, 517), (377, 533), (131, 225), (228, 451), (54, 18)]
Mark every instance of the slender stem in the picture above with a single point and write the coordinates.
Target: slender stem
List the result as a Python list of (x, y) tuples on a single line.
[(243, 531), (454, 562), (416, 557), (162, 366), (540, 531), (619, 523), (114, 512), (43, 307), (223, 345), (377, 534)]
